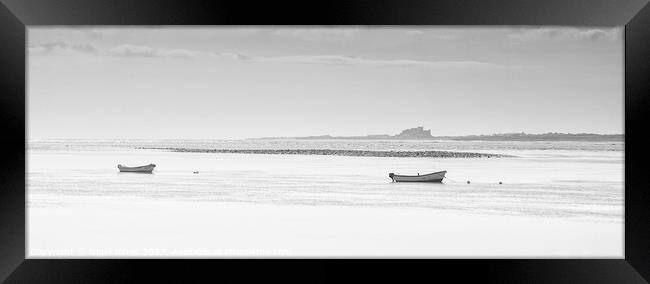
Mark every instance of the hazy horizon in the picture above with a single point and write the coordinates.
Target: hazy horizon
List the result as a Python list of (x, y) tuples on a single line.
[(254, 82), (334, 136)]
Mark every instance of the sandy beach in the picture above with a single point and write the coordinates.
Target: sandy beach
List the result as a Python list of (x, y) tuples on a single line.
[(134, 228), (552, 203)]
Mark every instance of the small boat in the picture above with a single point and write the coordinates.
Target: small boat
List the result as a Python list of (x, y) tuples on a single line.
[(432, 177), (141, 169)]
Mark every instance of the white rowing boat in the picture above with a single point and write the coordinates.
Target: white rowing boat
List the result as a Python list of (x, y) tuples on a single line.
[(432, 177), (141, 169)]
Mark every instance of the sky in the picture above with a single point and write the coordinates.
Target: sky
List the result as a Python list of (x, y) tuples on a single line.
[(250, 81)]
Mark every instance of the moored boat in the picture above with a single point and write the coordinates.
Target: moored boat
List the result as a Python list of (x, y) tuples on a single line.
[(432, 177), (141, 169)]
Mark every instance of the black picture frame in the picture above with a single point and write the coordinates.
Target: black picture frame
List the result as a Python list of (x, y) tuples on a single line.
[(15, 15)]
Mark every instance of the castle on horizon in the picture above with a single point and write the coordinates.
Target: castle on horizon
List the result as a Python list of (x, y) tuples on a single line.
[(415, 133)]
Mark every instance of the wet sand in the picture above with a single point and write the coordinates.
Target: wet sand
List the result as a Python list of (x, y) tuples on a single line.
[(145, 228)]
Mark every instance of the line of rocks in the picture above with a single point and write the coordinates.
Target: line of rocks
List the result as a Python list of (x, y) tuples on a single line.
[(354, 153)]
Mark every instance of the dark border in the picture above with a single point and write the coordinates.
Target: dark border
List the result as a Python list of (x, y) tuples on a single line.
[(634, 14)]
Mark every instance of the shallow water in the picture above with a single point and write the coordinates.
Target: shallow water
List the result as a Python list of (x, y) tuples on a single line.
[(550, 179)]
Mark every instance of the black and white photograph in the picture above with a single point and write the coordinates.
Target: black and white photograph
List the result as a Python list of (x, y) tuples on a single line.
[(325, 141)]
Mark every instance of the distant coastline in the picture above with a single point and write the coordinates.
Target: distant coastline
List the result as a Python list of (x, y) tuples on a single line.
[(419, 133)]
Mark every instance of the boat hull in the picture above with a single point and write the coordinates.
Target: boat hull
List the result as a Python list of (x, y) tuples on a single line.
[(432, 177), (142, 169)]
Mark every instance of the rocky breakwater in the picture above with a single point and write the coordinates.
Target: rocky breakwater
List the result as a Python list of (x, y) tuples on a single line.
[(352, 153)]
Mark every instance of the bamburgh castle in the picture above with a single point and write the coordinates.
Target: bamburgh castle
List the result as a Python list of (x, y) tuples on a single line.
[(417, 132)]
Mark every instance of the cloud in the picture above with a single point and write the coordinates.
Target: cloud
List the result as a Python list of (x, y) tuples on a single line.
[(591, 34), (343, 60), (128, 50), (313, 34), (134, 51), (61, 47), (330, 60), (230, 55), (413, 32), (429, 34), (181, 53)]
